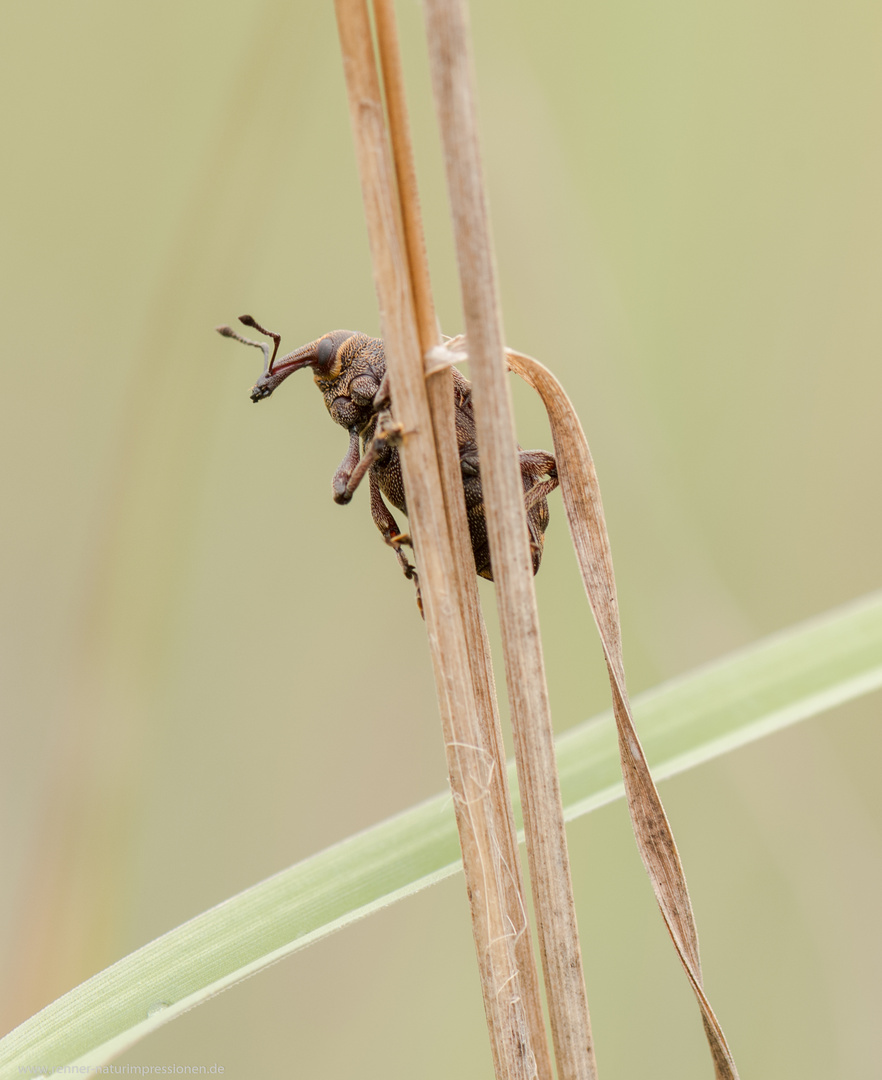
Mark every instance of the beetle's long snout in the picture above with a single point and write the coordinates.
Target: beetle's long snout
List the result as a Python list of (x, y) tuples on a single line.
[(281, 369)]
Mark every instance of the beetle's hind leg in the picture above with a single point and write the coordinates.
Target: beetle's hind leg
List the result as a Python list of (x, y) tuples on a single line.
[(534, 465), (396, 539), (538, 463)]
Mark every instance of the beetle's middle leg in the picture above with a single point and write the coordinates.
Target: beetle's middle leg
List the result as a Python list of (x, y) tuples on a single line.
[(388, 526)]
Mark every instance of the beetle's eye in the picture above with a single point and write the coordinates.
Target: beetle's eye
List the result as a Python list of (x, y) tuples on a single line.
[(324, 352)]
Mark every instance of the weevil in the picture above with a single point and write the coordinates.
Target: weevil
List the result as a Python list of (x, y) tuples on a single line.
[(349, 368)]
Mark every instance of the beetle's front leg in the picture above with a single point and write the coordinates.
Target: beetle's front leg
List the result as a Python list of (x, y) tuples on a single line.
[(347, 467), (388, 526), (387, 434)]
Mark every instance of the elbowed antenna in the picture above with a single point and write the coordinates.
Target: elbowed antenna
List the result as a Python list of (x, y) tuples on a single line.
[(249, 320), (271, 376)]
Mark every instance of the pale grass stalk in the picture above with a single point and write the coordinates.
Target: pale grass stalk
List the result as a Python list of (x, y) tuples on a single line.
[(498, 919), (441, 405), (453, 82)]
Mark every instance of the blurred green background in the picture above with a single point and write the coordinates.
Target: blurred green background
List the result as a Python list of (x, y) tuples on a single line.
[(210, 670)]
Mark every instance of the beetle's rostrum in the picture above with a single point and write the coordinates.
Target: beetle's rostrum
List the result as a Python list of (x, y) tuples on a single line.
[(349, 369)]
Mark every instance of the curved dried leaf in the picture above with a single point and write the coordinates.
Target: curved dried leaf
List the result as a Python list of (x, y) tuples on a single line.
[(655, 840)]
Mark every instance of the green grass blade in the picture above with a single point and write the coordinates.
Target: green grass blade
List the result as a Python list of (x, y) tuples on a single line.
[(779, 681)]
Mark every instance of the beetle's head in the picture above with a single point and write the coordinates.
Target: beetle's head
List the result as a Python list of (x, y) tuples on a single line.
[(324, 356)]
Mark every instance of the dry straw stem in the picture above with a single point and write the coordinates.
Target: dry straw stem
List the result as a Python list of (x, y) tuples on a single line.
[(581, 495), (441, 406), (497, 916), (453, 83)]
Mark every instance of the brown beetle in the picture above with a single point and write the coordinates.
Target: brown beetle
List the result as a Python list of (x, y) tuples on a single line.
[(349, 370)]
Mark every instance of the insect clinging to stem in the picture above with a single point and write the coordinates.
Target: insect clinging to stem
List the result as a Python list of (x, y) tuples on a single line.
[(349, 368)]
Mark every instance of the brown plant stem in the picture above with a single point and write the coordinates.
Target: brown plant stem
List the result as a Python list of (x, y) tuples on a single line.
[(496, 924), (453, 82), (441, 406)]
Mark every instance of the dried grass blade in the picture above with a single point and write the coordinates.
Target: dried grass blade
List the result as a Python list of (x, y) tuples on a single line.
[(453, 82), (584, 509), (441, 406), (497, 912)]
